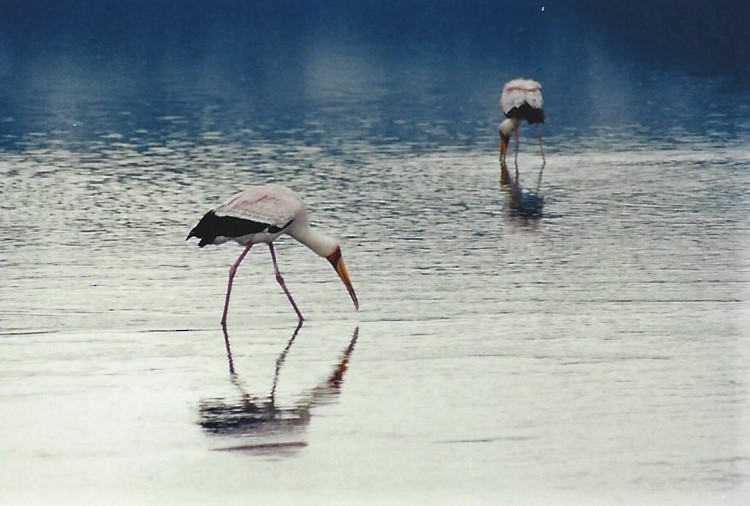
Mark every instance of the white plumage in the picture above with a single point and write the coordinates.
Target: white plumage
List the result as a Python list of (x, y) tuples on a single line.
[(272, 203), (518, 91)]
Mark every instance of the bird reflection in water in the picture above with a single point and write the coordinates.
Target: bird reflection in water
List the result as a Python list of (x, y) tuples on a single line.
[(524, 203), (256, 422)]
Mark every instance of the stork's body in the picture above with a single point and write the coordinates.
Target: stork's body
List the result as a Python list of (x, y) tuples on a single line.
[(520, 101), (262, 214)]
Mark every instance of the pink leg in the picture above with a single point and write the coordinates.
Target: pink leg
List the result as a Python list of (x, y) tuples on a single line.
[(281, 282), (232, 271), (515, 134), (539, 137)]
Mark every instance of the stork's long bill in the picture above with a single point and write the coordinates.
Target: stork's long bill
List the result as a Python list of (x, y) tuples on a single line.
[(338, 264)]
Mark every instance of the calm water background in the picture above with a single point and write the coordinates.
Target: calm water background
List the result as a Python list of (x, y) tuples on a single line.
[(596, 354)]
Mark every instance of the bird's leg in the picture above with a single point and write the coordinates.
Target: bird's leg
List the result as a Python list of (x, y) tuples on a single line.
[(515, 190), (232, 271), (280, 279), (541, 147), (539, 181), (515, 134)]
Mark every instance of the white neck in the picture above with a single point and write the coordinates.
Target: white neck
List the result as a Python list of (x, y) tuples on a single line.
[(320, 243), (507, 126)]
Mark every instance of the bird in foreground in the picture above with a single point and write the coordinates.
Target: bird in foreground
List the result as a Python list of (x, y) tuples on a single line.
[(262, 214), (521, 100)]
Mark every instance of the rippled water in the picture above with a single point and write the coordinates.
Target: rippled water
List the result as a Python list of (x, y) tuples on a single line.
[(595, 351)]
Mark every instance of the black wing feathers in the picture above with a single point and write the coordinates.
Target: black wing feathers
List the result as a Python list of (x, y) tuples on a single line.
[(528, 113), (273, 228), (211, 226)]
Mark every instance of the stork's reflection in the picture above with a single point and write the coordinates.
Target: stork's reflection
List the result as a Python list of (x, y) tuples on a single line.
[(520, 202), (256, 424)]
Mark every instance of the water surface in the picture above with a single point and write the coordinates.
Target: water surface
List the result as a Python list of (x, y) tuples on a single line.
[(595, 352)]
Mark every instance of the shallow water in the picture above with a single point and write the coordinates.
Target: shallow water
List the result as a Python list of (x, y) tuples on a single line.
[(594, 352)]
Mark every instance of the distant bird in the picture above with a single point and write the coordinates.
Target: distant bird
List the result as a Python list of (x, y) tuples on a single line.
[(521, 100), (262, 214)]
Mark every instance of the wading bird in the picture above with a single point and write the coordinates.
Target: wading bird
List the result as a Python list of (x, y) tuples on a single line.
[(521, 100), (262, 214)]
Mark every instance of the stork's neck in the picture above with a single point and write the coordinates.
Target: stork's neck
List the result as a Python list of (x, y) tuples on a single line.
[(508, 125), (320, 243)]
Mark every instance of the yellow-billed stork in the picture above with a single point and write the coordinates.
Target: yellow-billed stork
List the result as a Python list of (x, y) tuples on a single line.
[(262, 214)]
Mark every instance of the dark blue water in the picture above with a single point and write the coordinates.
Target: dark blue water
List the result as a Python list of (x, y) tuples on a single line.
[(236, 64), (590, 347)]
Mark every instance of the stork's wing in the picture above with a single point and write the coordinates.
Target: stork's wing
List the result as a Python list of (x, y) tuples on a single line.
[(520, 91), (269, 209), (272, 205)]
